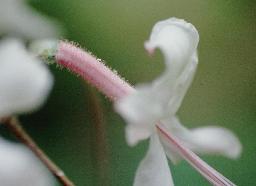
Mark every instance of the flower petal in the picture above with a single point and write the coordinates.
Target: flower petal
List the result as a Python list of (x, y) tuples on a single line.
[(153, 169), (215, 140), (25, 82), (20, 167), (205, 140), (141, 111), (181, 86), (135, 134), (178, 41), (17, 18), (213, 176)]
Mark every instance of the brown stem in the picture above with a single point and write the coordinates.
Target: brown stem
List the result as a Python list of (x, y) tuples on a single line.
[(99, 140), (15, 127)]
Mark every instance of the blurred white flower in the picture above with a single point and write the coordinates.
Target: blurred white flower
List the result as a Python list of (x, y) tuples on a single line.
[(19, 167), (159, 101), (19, 19), (25, 81)]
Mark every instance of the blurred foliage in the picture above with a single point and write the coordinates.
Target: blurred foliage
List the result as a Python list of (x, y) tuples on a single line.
[(222, 93)]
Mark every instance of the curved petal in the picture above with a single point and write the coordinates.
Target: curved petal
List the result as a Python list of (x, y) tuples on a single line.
[(204, 140), (181, 86), (153, 169), (25, 82), (178, 41), (176, 38)]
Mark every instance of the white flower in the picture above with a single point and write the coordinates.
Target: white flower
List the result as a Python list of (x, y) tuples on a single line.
[(25, 81), (20, 167), (17, 18), (159, 101)]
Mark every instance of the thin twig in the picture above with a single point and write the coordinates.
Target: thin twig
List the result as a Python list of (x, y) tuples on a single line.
[(15, 127)]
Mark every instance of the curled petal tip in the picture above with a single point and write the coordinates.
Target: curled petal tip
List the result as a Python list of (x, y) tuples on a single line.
[(149, 48), (176, 38)]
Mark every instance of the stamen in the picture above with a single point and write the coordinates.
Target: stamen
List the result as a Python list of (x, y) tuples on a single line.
[(92, 70), (207, 171)]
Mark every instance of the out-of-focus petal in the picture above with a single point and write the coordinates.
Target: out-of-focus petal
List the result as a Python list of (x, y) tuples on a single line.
[(141, 111), (215, 140), (204, 140), (25, 82), (135, 134), (153, 169), (17, 18), (20, 167)]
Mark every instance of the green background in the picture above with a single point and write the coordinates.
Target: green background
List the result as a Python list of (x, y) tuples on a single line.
[(79, 129)]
